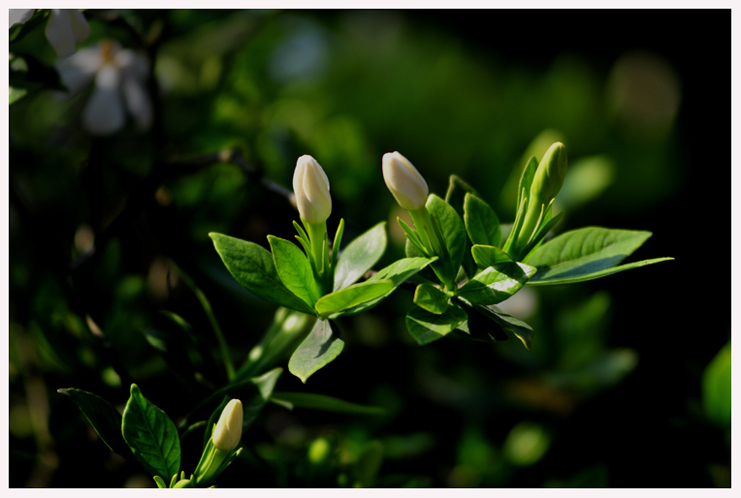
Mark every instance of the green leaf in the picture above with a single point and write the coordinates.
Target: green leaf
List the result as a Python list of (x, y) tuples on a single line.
[(294, 269), (481, 222), (321, 347), (412, 237), (430, 298), (322, 402), (160, 482), (518, 328), (453, 233), (457, 190), (151, 435), (351, 296), (427, 327), (398, 272), (104, 418), (252, 266), (337, 242), (716, 388), (360, 256), (486, 256), (496, 283), (586, 254)]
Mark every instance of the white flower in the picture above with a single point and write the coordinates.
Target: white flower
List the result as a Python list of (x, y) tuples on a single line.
[(228, 430), (20, 16), (311, 187), (65, 29), (408, 187), (119, 76)]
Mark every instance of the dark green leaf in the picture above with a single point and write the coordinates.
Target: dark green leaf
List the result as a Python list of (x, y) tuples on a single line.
[(518, 328), (322, 402), (482, 223), (253, 267), (360, 256), (453, 233), (294, 269), (430, 298), (151, 435), (586, 254), (427, 327), (496, 283), (398, 272), (321, 347), (104, 418), (457, 190), (354, 295)]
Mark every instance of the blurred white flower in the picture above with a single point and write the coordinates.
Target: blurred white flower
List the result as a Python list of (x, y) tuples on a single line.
[(64, 30), (119, 76)]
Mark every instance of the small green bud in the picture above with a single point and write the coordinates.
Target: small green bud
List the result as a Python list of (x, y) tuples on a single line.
[(549, 175)]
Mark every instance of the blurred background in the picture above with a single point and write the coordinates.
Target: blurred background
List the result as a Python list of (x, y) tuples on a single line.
[(626, 384)]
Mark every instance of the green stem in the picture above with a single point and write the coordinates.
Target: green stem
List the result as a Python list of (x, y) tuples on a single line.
[(319, 252), (286, 332), (223, 347)]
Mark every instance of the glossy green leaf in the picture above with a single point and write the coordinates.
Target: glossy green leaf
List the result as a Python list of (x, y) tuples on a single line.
[(486, 256), (430, 298), (322, 402), (151, 435), (482, 223), (104, 418), (496, 283), (456, 193), (586, 254), (351, 296), (294, 269), (322, 346), (252, 266), (359, 256), (427, 327), (453, 233), (716, 388)]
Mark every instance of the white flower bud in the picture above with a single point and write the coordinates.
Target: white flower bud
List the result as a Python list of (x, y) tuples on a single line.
[(228, 430), (311, 186), (404, 181)]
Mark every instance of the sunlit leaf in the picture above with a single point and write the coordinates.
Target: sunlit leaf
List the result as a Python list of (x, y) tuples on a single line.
[(586, 254), (322, 346), (253, 267), (360, 255), (151, 435)]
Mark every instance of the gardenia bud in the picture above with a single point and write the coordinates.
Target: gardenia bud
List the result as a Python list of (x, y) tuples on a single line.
[(404, 181), (228, 431), (311, 186), (550, 174)]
